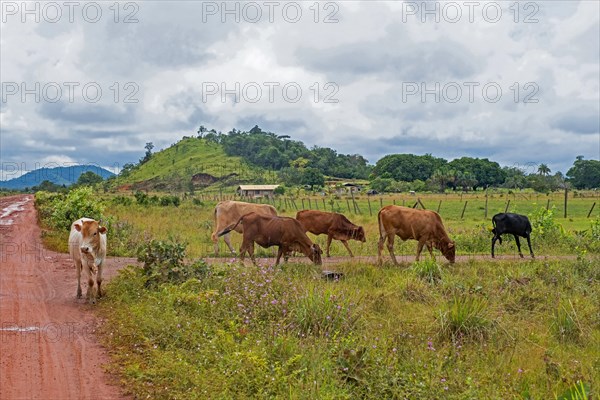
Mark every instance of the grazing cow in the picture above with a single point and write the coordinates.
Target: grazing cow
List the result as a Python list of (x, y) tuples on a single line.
[(87, 245), (335, 226), (229, 212), (515, 224), (422, 225), (286, 233)]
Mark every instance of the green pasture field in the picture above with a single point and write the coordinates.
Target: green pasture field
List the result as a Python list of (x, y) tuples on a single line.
[(508, 329), (194, 223), (479, 329)]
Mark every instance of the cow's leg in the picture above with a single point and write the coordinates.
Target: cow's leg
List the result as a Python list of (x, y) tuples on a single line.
[(78, 268), (518, 245), (494, 243), (380, 250), (227, 239), (345, 242), (91, 290), (430, 248), (99, 279), (215, 240), (529, 244), (279, 254), (390, 246), (329, 237), (419, 249)]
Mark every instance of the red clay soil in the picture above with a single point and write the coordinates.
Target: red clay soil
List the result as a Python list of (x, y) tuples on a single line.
[(48, 348)]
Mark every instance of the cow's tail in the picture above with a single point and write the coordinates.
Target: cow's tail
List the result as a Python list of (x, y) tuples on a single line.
[(230, 227), (214, 234), (380, 223)]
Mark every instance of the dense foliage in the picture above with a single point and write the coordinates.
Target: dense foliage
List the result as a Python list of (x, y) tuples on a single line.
[(271, 151), (585, 174)]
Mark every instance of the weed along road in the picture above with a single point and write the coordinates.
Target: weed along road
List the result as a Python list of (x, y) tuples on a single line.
[(48, 349)]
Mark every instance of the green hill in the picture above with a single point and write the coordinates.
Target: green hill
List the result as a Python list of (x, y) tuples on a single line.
[(192, 162)]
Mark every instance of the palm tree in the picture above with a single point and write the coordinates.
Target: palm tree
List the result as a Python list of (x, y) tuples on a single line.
[(543, 170)]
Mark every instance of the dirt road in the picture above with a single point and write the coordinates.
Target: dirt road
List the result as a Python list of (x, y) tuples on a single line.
[(48, 349)]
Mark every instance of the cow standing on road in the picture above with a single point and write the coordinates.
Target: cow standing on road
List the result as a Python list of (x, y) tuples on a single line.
[(229, 212), (335, 226), (87, 245), (286, 233), (408, 223), (515, 224)]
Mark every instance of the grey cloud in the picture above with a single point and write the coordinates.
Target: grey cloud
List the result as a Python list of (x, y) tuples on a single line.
[(87, 113), (585, 121)]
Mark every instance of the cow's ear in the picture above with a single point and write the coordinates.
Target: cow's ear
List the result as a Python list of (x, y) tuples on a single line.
[(102, 229), (77, 227)]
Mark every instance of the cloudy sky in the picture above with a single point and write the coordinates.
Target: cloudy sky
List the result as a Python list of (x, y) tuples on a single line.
[(518, 83)]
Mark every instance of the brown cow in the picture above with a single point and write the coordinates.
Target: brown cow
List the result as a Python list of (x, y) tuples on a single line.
[(422, 225), (87, 246), (229, 212), (267, 231), (335, 226)]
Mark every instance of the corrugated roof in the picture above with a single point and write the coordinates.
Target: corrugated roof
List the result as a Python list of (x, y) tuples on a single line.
[(257, 187)]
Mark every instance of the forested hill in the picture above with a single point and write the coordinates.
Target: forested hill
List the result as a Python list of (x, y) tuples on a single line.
[(256, 156), (278, 152)]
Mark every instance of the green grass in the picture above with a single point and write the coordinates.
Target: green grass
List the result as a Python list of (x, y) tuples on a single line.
[(174, 166), (265, 332), (194, 223)]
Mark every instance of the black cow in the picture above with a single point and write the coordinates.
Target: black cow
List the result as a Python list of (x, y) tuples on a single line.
[(515, 224)]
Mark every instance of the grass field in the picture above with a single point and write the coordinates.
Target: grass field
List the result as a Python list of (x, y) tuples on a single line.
[(193, 223)]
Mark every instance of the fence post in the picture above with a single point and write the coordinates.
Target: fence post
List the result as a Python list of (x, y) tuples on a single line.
[(324, 205), (348, 204), (309, 204), (316, 204), (464, 208), (548, 205), (439, 206), (303, 204), (369, 202), (507, 205), (566, 196), (591, 209), (381, 202), (421, 203), (486, 204), (356, 209)]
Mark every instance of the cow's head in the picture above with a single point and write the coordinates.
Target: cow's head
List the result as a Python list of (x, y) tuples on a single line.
[(90, 242), (449, 251), (315, 254), (359, 234)]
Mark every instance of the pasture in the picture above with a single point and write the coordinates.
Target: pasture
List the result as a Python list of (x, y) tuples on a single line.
[(193, 223), (481, 328)]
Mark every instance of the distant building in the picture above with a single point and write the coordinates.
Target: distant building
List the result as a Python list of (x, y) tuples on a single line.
[(256, 190)]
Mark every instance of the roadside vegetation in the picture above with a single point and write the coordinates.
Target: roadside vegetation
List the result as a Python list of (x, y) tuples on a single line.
[(179, 327)]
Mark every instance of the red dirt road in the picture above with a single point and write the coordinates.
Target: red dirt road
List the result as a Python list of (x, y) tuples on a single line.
[(48, 349)]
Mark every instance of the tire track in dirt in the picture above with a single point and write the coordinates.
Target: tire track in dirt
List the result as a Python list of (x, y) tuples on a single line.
[(48, 345)]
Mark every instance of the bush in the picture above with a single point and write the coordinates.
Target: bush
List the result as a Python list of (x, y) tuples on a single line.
[(164, 263), (545, 227), (81, 202), (122, 200)]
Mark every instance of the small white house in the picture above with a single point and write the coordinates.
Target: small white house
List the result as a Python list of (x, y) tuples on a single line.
[(256, 190)]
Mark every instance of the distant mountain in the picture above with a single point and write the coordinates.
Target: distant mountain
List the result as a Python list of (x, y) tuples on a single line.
[(58, 175)]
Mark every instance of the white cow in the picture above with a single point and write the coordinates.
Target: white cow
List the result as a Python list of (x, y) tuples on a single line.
[(87, 245)]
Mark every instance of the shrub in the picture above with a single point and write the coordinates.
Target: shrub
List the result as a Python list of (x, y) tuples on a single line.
[(164, 263), (80, 202), (545, 227), (122, 200)]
